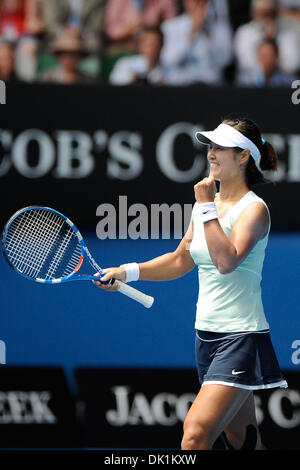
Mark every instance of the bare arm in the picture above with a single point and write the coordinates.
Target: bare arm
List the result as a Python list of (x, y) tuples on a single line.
[(163, 268), (170, 265), (227, 253)]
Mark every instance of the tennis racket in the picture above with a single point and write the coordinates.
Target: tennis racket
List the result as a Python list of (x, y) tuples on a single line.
[(43, 245)]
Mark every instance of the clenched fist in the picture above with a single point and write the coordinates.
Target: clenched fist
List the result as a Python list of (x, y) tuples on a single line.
[(205, 190)]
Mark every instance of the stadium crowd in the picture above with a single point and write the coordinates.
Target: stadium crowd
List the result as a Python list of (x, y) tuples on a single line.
[(158, 42)]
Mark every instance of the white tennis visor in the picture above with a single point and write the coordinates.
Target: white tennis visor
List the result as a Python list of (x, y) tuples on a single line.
[(227, 136)]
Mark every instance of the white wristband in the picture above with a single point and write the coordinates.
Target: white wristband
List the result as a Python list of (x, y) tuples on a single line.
[(132, 271), (207, 211)]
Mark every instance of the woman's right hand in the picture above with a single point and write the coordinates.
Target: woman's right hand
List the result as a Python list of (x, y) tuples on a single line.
[(109, 276)]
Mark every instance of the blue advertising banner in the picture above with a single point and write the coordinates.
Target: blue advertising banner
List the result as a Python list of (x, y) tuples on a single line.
[(77, 324)]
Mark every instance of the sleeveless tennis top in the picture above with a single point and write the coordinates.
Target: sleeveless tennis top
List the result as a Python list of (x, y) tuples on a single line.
[(229, 302)]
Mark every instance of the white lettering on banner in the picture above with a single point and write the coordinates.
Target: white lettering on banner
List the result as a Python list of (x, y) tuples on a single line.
[(276, 411), (296, 354), (124, 149), (275, 408), (46, 154), (258, 409), (2, 92), (167, 409), (6, 142), (294, 160), (67, 155), (165, 153), (19, 407), (101, 139), (73, 154), (119, 416), (164, 408), (296, 94), (2, 352)]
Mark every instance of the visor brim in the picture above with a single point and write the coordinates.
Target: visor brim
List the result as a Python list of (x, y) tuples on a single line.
[(202, 138), (210, 136)]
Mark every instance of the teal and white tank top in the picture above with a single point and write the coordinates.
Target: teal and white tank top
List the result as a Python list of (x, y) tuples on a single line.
[(229, 302)]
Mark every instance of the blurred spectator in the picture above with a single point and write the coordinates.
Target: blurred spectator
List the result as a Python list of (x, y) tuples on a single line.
[(70, 50), (144, 67), (198, 43), (83, 17), (124, 19), (22, 25), (290, 15), (34, 23), (12, 19), (268, 73), (265, 24), (7, 62)]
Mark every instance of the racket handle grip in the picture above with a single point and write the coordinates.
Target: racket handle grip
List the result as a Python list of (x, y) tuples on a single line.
[(135, 294)]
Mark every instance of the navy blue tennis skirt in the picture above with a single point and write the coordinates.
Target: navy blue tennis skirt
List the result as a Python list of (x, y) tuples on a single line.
[(243, 359)]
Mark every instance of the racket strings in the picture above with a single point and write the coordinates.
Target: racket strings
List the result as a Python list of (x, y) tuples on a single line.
[(18, 236), (73, 261), (41, 244), (28, 248), (59, 254)]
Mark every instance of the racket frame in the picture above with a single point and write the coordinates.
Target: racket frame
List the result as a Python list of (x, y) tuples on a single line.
[(85, 253), (125, 289)]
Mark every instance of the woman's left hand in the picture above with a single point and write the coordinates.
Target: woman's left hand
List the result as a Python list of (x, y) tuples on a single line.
[(205, 190)]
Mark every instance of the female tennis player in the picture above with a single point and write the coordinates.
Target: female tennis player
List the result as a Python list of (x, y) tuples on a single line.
[(226, 240)]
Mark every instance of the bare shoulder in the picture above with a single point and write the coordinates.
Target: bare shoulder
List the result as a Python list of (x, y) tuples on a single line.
[(253, 219), (255, 210)]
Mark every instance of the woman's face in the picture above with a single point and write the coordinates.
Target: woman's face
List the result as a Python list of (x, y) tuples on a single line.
[(223, 161)]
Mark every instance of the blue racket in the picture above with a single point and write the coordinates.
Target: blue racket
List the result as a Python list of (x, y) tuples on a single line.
[(43, 245)]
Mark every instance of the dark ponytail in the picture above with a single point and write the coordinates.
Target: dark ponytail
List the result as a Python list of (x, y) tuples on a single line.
[(268, 160)]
